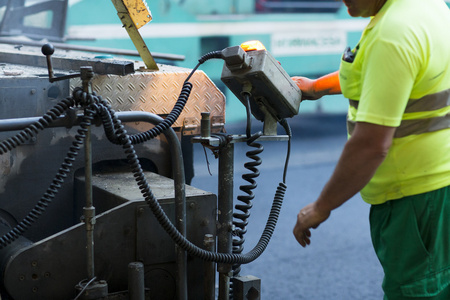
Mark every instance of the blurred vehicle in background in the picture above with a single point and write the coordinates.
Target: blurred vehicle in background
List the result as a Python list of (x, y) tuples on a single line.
[(306, 37)]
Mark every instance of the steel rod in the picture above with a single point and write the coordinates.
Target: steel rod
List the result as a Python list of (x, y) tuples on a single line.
[(210, 269), (136, 285), (89, 211), (225, 216)]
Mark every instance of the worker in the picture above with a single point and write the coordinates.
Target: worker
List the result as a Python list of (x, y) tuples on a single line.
[(397, 79)]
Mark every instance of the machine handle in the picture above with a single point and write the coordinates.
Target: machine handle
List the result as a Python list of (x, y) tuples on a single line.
[(48, 50)]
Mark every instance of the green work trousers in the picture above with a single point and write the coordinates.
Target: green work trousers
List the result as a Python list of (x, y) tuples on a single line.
[(411, 237)]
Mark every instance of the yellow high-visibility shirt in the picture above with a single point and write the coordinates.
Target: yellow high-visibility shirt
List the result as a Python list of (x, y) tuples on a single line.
[(400, 77)]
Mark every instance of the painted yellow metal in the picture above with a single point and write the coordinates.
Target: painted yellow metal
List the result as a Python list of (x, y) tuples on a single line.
[(132, 30), (139, 12)]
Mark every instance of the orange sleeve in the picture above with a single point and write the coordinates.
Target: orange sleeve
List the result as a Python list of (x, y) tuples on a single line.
[(328, 83)]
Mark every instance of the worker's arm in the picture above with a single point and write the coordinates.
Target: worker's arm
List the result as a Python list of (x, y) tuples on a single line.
[(313, 89), (362, 155)]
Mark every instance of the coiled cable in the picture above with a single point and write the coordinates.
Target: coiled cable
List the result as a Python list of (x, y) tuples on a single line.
[(177, 237), (242, 213), (241, 219), (175, 112), (118, 134), (288, 131), (59, 178), (169, 120), (33, 129), (144, 187)]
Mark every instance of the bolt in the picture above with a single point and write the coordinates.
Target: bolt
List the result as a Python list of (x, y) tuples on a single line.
[(208, 240), (22, 277), (34, 263)]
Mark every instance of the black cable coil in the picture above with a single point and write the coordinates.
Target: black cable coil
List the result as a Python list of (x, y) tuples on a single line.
[(169, 120), (31, 131), (165, 222), (240, 220), (118, 135), (59, 178), (150, 199)]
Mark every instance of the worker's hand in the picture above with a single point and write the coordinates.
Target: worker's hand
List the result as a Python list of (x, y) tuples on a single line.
[(311, 216), (313, 89), (307, 87)]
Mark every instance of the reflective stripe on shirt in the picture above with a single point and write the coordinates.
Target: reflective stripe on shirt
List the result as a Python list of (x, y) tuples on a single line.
[(417, 126)]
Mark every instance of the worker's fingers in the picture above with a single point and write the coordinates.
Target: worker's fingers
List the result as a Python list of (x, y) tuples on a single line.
[(303, 238), (302, 235), (309, 217), (306, 86)]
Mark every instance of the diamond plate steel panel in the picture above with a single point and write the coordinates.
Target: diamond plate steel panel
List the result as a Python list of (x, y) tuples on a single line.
[(157, 92)]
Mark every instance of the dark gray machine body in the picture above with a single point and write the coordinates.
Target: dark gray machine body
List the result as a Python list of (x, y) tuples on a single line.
[(126, 231), (50, 258)]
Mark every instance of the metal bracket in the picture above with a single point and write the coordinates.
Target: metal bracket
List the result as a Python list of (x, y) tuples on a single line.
[(247, 288), (191, 125)]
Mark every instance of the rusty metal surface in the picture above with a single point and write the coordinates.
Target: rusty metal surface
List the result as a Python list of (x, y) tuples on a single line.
[(157, 92), (139, 12), (132, 29)]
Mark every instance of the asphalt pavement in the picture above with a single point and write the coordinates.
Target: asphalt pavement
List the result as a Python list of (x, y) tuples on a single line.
[(340, 263)]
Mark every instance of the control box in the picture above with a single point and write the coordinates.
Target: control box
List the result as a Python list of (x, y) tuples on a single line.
[(272, 90)]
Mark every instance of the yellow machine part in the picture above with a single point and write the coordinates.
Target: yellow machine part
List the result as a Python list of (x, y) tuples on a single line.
[(139, 12), (128, 10)]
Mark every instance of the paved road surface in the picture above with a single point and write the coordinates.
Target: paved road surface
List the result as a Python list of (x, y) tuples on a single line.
[(340, 264)]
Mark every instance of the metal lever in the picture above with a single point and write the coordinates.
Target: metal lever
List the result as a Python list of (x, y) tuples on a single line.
[(48, 50)]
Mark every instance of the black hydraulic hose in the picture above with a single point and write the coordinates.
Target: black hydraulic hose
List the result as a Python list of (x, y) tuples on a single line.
[(288, 130), (241, 217), (58, 180), (105, 112), (242, 213), (33, 129), (208, 56), (165, 222), (119, 135), (175, 112), (177, 237), (169, 120), (160, 215)]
